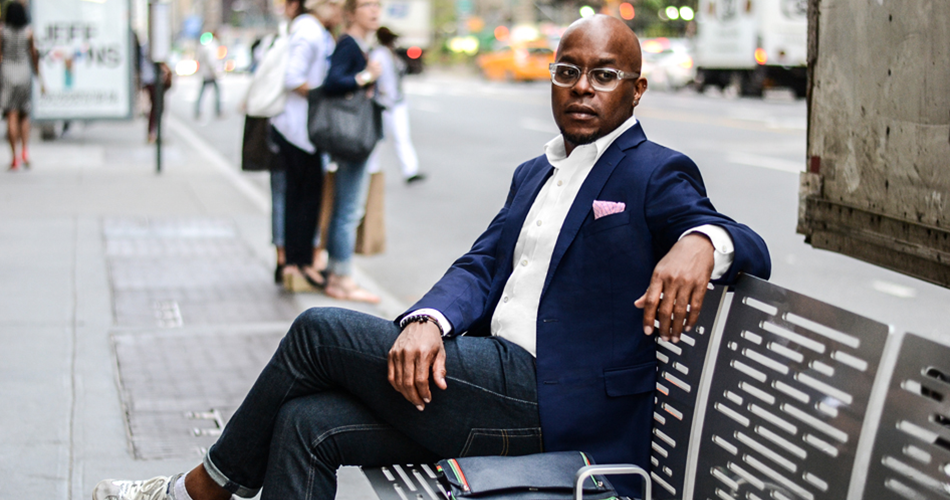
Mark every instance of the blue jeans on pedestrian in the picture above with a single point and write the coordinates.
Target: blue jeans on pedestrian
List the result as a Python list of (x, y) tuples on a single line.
[(324, 401), (217, 97), (278, 199), (349, 205)]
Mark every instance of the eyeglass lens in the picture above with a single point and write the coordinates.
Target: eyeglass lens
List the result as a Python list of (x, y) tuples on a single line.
[(602, 79)]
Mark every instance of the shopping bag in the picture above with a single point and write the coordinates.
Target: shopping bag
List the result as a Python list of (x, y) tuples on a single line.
[(257, 153), (371, 233)]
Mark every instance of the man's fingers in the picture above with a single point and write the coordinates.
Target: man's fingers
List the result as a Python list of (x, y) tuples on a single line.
[(695, 306), (421, 378), (438, 370), (664, 314), (391, 369), (680, 312), (408, 385), (649, 302)]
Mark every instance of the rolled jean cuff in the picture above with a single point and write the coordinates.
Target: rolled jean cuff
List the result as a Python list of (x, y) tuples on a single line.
[(221, 480), (340, 268)]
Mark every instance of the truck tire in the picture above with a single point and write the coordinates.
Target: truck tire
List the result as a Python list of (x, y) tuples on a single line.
[(751, 83)]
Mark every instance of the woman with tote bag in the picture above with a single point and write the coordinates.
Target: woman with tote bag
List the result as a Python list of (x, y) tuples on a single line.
[(350, 72), (308, 48)]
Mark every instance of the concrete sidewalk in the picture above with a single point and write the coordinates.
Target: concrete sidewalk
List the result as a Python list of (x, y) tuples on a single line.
[(137, 308)]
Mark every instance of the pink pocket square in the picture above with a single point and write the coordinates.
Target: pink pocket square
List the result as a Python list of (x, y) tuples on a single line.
[(602, 208)]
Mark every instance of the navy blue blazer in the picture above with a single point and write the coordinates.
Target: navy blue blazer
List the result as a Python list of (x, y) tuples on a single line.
[(596, 370)]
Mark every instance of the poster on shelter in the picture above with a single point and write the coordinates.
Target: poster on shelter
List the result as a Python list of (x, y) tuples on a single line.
[(85, 54)]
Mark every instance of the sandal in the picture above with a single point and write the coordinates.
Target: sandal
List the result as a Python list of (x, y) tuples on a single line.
[(297, 282), (344, 288), (317, 279)]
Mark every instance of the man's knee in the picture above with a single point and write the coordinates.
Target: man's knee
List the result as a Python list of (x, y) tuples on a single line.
[(314, 423)]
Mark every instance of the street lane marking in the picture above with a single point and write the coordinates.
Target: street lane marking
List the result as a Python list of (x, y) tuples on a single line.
[(769, 162), (904, 292)]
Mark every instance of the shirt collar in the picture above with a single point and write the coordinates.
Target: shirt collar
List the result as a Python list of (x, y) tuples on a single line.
[(557, 153)]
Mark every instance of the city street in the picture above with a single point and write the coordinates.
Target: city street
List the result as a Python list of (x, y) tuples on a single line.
[(140, 307), (471, 134)]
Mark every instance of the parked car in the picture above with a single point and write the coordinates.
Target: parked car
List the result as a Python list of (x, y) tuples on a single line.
[(519, 62), (667, 62)]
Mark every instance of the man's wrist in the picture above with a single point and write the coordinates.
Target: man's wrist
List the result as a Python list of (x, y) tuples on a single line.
[(435, 316), (421, 318)]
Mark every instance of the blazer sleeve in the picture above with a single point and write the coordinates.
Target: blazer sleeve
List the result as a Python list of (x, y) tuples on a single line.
[(676, 202), (462, 294)]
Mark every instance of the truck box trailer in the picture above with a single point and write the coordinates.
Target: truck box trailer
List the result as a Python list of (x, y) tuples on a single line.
[(752, 44), (877, 185)]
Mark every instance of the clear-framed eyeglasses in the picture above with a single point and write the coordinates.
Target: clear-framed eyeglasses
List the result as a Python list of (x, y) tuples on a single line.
[(601, 79)]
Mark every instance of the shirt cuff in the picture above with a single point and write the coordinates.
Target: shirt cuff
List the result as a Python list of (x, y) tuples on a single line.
[(724, 251), (439, 317)]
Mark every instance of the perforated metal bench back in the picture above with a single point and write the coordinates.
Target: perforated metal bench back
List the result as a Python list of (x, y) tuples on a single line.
[(787, 398), (777, 396), (405, 482)]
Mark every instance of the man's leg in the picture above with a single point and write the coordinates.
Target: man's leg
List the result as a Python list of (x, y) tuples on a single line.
[(217, 98), (490, 406), (317, 434), (402, 140), (201, 92)]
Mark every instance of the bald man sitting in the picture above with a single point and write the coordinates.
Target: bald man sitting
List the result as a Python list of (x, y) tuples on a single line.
[(539, 338)]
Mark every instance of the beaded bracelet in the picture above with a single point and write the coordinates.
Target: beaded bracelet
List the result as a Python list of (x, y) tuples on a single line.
[(423, 318)]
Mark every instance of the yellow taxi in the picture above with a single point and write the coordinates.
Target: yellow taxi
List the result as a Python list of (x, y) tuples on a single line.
[(518, 62)]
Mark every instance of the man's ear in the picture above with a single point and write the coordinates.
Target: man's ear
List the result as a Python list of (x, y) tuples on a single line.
[(639, 88)]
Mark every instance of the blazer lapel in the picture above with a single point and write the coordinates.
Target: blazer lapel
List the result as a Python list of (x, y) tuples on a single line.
[(519, 210), (593, 185)]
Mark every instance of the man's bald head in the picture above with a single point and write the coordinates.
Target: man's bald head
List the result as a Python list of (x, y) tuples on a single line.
[(609, 32), (582, 113)]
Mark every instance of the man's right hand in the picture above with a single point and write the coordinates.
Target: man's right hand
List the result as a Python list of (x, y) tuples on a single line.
[(417, 351)]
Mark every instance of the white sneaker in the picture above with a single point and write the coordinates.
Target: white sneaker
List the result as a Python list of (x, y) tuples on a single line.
[(157, 488)]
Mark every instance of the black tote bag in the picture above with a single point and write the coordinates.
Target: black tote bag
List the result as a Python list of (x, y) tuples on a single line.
[(346, 126)]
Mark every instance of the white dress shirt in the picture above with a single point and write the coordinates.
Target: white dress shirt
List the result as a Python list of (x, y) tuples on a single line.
[(309, 49), (515, 317)]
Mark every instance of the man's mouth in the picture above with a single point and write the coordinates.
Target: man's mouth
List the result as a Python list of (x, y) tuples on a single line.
[(580, 112)]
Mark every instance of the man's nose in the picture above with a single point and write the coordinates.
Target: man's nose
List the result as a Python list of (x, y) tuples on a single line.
[(582, 86)]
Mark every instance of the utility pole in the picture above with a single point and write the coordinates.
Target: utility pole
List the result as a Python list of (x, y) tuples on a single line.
[(159, 44)]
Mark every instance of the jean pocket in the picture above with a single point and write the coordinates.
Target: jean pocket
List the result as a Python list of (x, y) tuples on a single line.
[(485, 442)]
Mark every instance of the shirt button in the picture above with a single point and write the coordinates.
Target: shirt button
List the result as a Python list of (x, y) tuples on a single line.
[(524, 262), (539, 223), (505, 299), (560, 182)]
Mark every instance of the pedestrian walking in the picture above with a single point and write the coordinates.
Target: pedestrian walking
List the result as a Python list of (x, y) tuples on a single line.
[(297, 180), (208, 70), (150, 78), (396, 115), (19, 61), (350, 71)]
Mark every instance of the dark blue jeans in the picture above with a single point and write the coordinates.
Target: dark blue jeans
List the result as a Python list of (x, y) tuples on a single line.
[(324, 401)]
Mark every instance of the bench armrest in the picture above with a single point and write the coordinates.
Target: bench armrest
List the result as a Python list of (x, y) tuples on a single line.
[(611, 469)]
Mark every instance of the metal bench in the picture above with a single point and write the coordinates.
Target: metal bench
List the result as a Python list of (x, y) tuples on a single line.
[(777, 396)]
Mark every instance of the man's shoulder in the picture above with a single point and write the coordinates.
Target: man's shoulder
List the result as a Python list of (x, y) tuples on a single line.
[(538, 163), (649, 154)]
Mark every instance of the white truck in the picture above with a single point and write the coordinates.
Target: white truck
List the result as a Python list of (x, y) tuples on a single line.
[(412, 21), (751, 45), (877, 185)]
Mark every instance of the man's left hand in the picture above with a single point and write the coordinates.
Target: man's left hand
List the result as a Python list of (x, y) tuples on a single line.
[(676, 291)]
